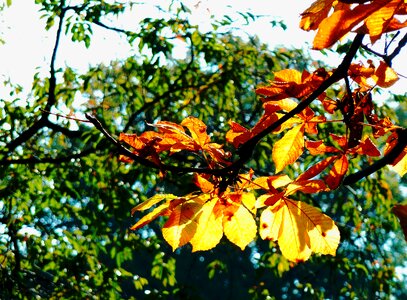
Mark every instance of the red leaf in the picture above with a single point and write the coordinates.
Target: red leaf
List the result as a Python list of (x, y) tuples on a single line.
[(337, 172), (316, 169)]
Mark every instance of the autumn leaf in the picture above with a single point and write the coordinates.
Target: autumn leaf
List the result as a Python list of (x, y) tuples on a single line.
[(399, 165), (292, 83), (266, 183), (287, 150), (342, 20), (313, 16), (197, 129), (152, 201), (378, 21), (317, 168), (401, 212), (338, 171), (181, 224), (305, 186), (209, 229), (300, 229), (204, 184), (385, 76), (146, 219), (239, 226)]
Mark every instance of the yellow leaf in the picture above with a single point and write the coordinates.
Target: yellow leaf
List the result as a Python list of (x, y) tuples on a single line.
[(158, 211), (401, 165), (153, 201), (305, 186), (300, 229), (385, 76), (276, 182), (239, 226), (209, 229), (288, 124), (181, 225), (249, 201), (288, 148), (197, 128), (287, 75)]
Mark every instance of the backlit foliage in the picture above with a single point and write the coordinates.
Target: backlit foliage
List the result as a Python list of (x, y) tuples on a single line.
[(229, 202)]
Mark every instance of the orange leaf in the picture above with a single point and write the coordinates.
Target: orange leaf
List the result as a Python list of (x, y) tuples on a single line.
[(158, 211), (313, 16), (266, 183), (342, 21), (385, 76), (205, 185), (305, 186), (318, 147), (379, 20), (197, 129), (337, 172), (153, 201), (316, 169), (401, 212), (181, 225), (399, 165), (287, 150), (366, 147), (237, 130)]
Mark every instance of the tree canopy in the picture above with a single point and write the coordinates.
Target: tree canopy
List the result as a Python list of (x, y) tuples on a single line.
[(230, 171)]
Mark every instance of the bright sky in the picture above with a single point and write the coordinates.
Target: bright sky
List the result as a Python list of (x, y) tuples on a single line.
[(28, 46)]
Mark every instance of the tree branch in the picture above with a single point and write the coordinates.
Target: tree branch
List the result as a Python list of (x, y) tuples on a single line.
[(49, 160), (41, 122), (246, 150), (385, 160)]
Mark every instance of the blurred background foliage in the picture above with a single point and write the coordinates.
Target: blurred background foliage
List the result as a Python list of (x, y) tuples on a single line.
[(65, 199)]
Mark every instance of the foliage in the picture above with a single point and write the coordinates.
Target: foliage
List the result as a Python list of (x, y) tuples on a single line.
[(200, 157)]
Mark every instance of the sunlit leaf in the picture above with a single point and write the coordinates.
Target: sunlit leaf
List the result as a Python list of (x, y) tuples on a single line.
[(181, 224), (385, 76), (337, 172), (152, 201), (158, 211), (239, 226), (300, 229), (287, 150), (400, 163), (334, 27), (209, 230)]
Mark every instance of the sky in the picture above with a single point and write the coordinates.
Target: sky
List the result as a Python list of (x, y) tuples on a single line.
[(28, 46)]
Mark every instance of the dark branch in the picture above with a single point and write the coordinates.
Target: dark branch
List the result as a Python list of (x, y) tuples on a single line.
[(72, 134), (119, 30), (385, 160), (246, 150), (47, 160), (41, 122), (389, 58), (396, 51)]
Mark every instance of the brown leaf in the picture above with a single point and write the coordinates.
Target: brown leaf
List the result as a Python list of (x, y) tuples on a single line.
[(401, 212)]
